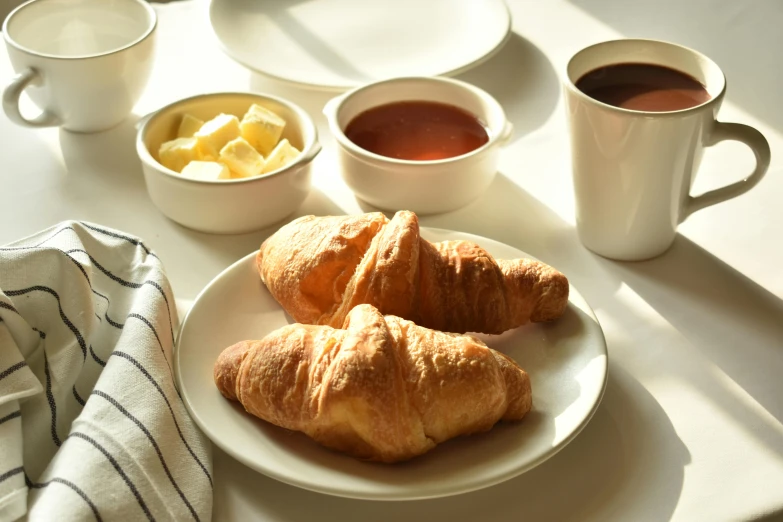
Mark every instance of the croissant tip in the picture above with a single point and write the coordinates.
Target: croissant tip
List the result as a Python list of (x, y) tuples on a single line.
[(226, 369), (554, 299)]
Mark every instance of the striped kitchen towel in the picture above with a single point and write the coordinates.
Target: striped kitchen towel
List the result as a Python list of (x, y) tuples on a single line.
[(91, 424)]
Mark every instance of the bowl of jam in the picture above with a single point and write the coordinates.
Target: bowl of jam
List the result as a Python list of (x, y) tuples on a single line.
[(423, 144)]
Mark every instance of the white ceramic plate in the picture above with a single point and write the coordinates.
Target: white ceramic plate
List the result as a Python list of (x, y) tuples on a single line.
[(338, 44), (566, 360)]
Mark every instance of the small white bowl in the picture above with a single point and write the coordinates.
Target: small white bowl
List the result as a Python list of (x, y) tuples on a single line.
[(227, 206), (424, 187)]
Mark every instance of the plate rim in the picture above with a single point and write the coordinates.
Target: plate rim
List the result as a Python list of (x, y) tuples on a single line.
[(331, 87), (394, 496)]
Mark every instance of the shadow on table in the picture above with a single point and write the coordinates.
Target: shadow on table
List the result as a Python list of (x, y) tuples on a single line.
[(772, 517), (523, 80), (227, 248), (97, 162), (737, 35), (629, 444), (718, 310), (520, 76)]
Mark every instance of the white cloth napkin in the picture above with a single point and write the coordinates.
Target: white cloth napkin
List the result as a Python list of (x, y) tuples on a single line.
[(91, 424)]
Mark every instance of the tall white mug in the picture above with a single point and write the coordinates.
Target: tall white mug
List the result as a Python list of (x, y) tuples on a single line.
[(633, 170), (84, 63)]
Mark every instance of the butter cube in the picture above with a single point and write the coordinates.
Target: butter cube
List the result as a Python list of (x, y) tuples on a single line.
[(206, 170), (175, 154), (189, 126), (214, 134), (262, 128), (281, 156), (243, 160)]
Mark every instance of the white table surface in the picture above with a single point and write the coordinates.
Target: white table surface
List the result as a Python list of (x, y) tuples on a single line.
[(691, 425)]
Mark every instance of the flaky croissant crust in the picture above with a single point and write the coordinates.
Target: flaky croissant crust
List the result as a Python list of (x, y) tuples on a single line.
[(319, 268), (381, 389)]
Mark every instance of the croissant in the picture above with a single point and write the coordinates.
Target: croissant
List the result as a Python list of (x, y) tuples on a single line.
[(319, 268), (381, 388)]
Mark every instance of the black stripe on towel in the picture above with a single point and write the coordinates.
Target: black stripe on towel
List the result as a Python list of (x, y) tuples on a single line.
[(10, 416), (129, 239), (68, 483), (113, 323), (96, 358), (8, 306), (89, 283), (60, 230), (119, 469), (109, 320), (77, 396), (65, 319), (129, 284), (160, 344), (144, 429), (39, 245), (106, 313), (10, 473), (149, 377), (70, 258), (50, 400), (100, 295), (11, 369), (154, 331)]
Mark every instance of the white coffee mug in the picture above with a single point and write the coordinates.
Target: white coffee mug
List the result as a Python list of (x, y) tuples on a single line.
[(633, 170), (84, 63)]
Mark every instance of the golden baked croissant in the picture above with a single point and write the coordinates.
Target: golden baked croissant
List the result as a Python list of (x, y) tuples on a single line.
[(381, 389), (319, 268)]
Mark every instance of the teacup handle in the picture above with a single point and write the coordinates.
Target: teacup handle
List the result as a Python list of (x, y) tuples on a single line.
[(11, 97), (760, 147)]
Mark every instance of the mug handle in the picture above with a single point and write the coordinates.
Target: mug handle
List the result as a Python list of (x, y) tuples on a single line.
[(506, 134), (11, 101), (760, 147)]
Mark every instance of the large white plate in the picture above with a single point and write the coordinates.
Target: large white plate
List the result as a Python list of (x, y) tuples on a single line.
[(566, 360), (338, 44)]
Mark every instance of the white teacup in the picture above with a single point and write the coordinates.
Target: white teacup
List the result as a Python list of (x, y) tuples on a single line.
[(85, 63), (633, 170)]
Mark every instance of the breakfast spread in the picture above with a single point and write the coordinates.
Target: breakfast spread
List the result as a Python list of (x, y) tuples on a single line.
[(319, 268), (380, 388), (417, 130), (226, 147), (380, 364)]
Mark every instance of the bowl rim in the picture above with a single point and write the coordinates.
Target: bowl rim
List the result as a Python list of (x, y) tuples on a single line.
[(152, 25), (310, 149), (332, 109)]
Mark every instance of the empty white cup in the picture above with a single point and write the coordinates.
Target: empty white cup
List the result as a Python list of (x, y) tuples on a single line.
[(84, 63)]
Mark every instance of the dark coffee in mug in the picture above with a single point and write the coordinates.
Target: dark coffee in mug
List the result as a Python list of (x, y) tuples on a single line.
[(643, 87)]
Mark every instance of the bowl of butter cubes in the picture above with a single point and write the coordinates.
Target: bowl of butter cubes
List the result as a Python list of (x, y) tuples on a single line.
[(228, 163)]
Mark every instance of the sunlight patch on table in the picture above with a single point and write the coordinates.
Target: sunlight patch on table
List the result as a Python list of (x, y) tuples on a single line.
[(677, 372)]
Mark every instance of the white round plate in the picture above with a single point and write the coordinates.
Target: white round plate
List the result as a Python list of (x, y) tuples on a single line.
[(566, 361), (338, 44)]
